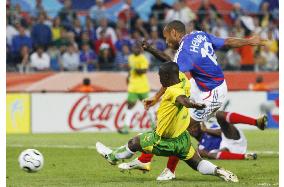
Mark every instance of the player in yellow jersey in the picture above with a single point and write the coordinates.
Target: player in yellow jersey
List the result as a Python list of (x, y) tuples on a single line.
[(138, 83), (170, 136)]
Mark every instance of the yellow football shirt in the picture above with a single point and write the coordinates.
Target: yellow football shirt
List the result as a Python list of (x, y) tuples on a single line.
[(173, 119), (138, 83)]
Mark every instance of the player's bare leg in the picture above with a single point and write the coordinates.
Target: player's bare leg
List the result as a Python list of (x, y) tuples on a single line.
[(127, 119), (227, 118), (123, 152), (207, 168)]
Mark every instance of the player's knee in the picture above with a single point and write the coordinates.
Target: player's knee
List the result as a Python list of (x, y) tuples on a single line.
[(133, 144)]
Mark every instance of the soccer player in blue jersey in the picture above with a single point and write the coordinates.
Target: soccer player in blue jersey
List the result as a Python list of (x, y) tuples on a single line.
[(214, 144), (196, 54)]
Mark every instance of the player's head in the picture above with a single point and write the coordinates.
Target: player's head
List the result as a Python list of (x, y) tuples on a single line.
[(173, 33), (136, 48), (169, 74)]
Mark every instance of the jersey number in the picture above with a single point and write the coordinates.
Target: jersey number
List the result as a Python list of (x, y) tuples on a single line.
[(208, 51)]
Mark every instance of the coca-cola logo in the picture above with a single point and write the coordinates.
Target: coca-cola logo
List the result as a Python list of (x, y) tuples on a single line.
[(87, 112)]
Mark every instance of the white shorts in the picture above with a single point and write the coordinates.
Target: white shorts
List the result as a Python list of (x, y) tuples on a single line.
[(213, 100), (235, 146)]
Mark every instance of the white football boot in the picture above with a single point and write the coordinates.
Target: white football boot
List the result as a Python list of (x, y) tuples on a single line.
[(135, 164), (166, 175), (226, 175), (106, 153)]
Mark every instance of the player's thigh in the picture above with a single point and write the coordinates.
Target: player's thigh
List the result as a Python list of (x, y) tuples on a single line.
[(147, 141)]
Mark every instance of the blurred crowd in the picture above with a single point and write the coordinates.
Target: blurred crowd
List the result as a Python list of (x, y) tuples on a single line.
[(37, 42)]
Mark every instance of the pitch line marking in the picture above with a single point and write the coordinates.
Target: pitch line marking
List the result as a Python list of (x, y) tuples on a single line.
[(94, 147)]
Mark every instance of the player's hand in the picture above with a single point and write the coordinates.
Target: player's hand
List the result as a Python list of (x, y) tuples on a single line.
[(145, 45), (256, 40), (149, 102), (199, 106)]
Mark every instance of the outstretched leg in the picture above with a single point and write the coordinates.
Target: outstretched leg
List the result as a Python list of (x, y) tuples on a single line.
[(226, 118), (207, 168), (123, 152)]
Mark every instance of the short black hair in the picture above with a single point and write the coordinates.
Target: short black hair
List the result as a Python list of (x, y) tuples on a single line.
[(86, 81), (176, 25), (170, 68)]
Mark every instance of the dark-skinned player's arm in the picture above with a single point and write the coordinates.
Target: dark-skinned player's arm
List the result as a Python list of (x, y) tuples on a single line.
[(239, 42), (153, 100), (188, 103), (213, 132), (163, 57)]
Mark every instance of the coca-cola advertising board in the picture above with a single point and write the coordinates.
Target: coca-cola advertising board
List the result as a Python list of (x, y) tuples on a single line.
[(105, 112), (99, 112)]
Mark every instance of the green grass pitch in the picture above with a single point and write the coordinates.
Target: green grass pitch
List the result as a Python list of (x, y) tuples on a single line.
[(71, 160)]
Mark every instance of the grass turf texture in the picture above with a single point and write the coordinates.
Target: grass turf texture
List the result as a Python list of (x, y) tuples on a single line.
[(71, 160)]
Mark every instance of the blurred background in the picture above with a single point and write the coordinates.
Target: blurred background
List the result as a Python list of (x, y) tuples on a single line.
[(67, 61)]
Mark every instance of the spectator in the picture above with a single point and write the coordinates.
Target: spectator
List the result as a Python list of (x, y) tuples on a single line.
[(122, 29), (232, 59), (159, 10), (40, 60), (259, 84), (85, 39), (272, 42), (70, 59), (90, 29), (11, 31), (180, 12), (154, 26), (128, 14), (121, 59), (237, 12), (88, 59), (121, 41), (106, 58), (71, 39), (67, 15), (220, 29), (41, 33), (85, 87), (157, 42), (62, 42), (56, 29), (20, 16), (77, 29), (140, 27), (264, 15), (271, 60), (38, 9), (104, 40), (109, 31), (247, 52), (54, 55), (24, 59), (98, 11), (20, 40), (238, 29), (207, 12)]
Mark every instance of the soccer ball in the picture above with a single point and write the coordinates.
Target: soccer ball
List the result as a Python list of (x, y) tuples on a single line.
[(31, 160)]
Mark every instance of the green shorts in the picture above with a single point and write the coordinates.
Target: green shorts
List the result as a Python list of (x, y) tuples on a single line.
[(133, 97), (179, 146)]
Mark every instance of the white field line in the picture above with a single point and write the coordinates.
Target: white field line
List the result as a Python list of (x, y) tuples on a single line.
[(94, 147)]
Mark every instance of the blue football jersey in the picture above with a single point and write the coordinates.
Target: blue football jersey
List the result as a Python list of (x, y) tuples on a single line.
[(209, 142), (196, 54)]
